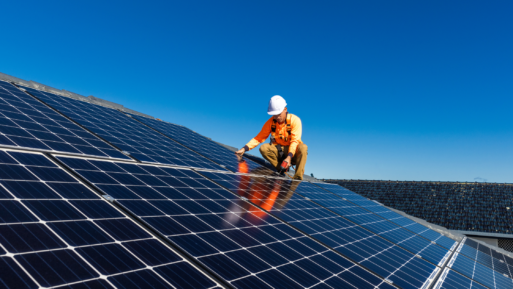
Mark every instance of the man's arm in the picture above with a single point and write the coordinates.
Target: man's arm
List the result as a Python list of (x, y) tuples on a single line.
[(260, 138), (295, 135)]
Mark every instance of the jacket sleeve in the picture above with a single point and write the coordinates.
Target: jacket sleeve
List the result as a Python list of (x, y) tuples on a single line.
[(261, 137), (295, 135)]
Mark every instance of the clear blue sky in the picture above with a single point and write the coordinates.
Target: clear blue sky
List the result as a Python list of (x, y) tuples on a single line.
[(401, 90)]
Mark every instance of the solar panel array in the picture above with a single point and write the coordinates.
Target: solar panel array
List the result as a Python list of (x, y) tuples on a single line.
[(386, 259), (129, 135), (468, 264), (28, 123), (172, 215), (370, 209), (56, 231), (205, 147), (238, 241)]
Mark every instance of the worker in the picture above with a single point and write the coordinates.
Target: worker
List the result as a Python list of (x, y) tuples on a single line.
[(286, 146)]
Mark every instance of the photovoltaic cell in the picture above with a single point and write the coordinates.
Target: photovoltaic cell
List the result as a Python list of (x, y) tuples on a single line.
[(48, 239), (205, 147), (385, 213), (28, 123), (13, 276), (125, 133), (383, 257), (241, 243)]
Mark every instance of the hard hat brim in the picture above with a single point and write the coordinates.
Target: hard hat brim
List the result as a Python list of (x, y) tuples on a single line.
[(274, 112)]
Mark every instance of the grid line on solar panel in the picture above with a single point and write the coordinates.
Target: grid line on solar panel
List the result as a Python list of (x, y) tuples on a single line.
[(55, 231), (204, 146), (241, 243), (385, 213), (28, 123), (125, 133), (279, 199)]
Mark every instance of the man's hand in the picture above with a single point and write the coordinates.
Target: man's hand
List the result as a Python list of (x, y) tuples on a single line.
[(288, 160), (239, 154)]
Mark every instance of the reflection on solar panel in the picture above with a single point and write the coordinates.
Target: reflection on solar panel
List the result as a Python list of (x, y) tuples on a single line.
[(26, 122), (404, 266), (55, 231), (206, 147), (238, 241), (125, 133), (354, 203)]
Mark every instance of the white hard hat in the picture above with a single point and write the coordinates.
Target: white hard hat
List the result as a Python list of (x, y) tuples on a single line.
[(276, 105)]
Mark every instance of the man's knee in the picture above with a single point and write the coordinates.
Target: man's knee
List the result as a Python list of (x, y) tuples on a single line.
[(264, 148), (302, 148)]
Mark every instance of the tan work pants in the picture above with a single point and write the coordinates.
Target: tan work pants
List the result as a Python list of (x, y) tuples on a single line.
[(270, 153)]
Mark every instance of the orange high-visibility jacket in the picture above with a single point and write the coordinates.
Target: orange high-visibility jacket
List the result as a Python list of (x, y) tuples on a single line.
[(281, 136)]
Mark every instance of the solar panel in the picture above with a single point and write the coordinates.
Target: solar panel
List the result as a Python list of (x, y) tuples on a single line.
[(84, 218), (396, 263), (126, 133), (487, 256), (379, 225), (499, 262), (205, 147), (241, 243), (55, 231), (479, 272), (360, 209), (453, 280), (27, 123)]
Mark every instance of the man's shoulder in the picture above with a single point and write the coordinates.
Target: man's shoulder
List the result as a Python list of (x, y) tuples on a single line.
[(294, 118)]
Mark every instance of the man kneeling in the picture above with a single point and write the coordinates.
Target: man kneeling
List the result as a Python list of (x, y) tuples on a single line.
[(286, 145)]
